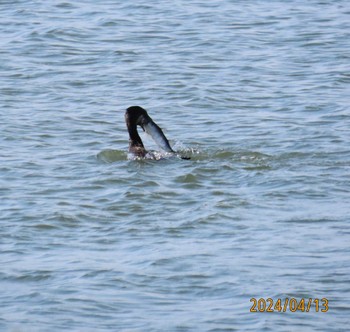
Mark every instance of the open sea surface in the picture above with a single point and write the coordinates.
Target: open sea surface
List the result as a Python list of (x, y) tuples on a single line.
[(256, 92)]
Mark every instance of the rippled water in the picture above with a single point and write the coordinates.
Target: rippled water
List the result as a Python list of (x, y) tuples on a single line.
[(256, 92)]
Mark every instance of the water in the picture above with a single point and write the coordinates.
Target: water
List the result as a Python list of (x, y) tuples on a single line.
[(256, 92)]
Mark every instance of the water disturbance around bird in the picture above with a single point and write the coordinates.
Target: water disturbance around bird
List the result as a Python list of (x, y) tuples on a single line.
[(256, 93)]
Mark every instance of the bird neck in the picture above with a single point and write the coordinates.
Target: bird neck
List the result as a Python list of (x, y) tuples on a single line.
[(134, 137)]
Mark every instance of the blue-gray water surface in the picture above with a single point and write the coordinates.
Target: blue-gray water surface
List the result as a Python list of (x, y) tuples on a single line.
[(256, 92)]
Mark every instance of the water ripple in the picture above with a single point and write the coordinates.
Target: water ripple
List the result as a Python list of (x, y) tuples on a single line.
[(255, 93)]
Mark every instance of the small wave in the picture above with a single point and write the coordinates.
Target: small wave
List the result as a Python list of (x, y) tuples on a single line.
[(250, 157), (194, 153), (111, 156)]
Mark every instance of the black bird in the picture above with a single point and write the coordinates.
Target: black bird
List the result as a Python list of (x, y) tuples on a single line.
[(137, 116)]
